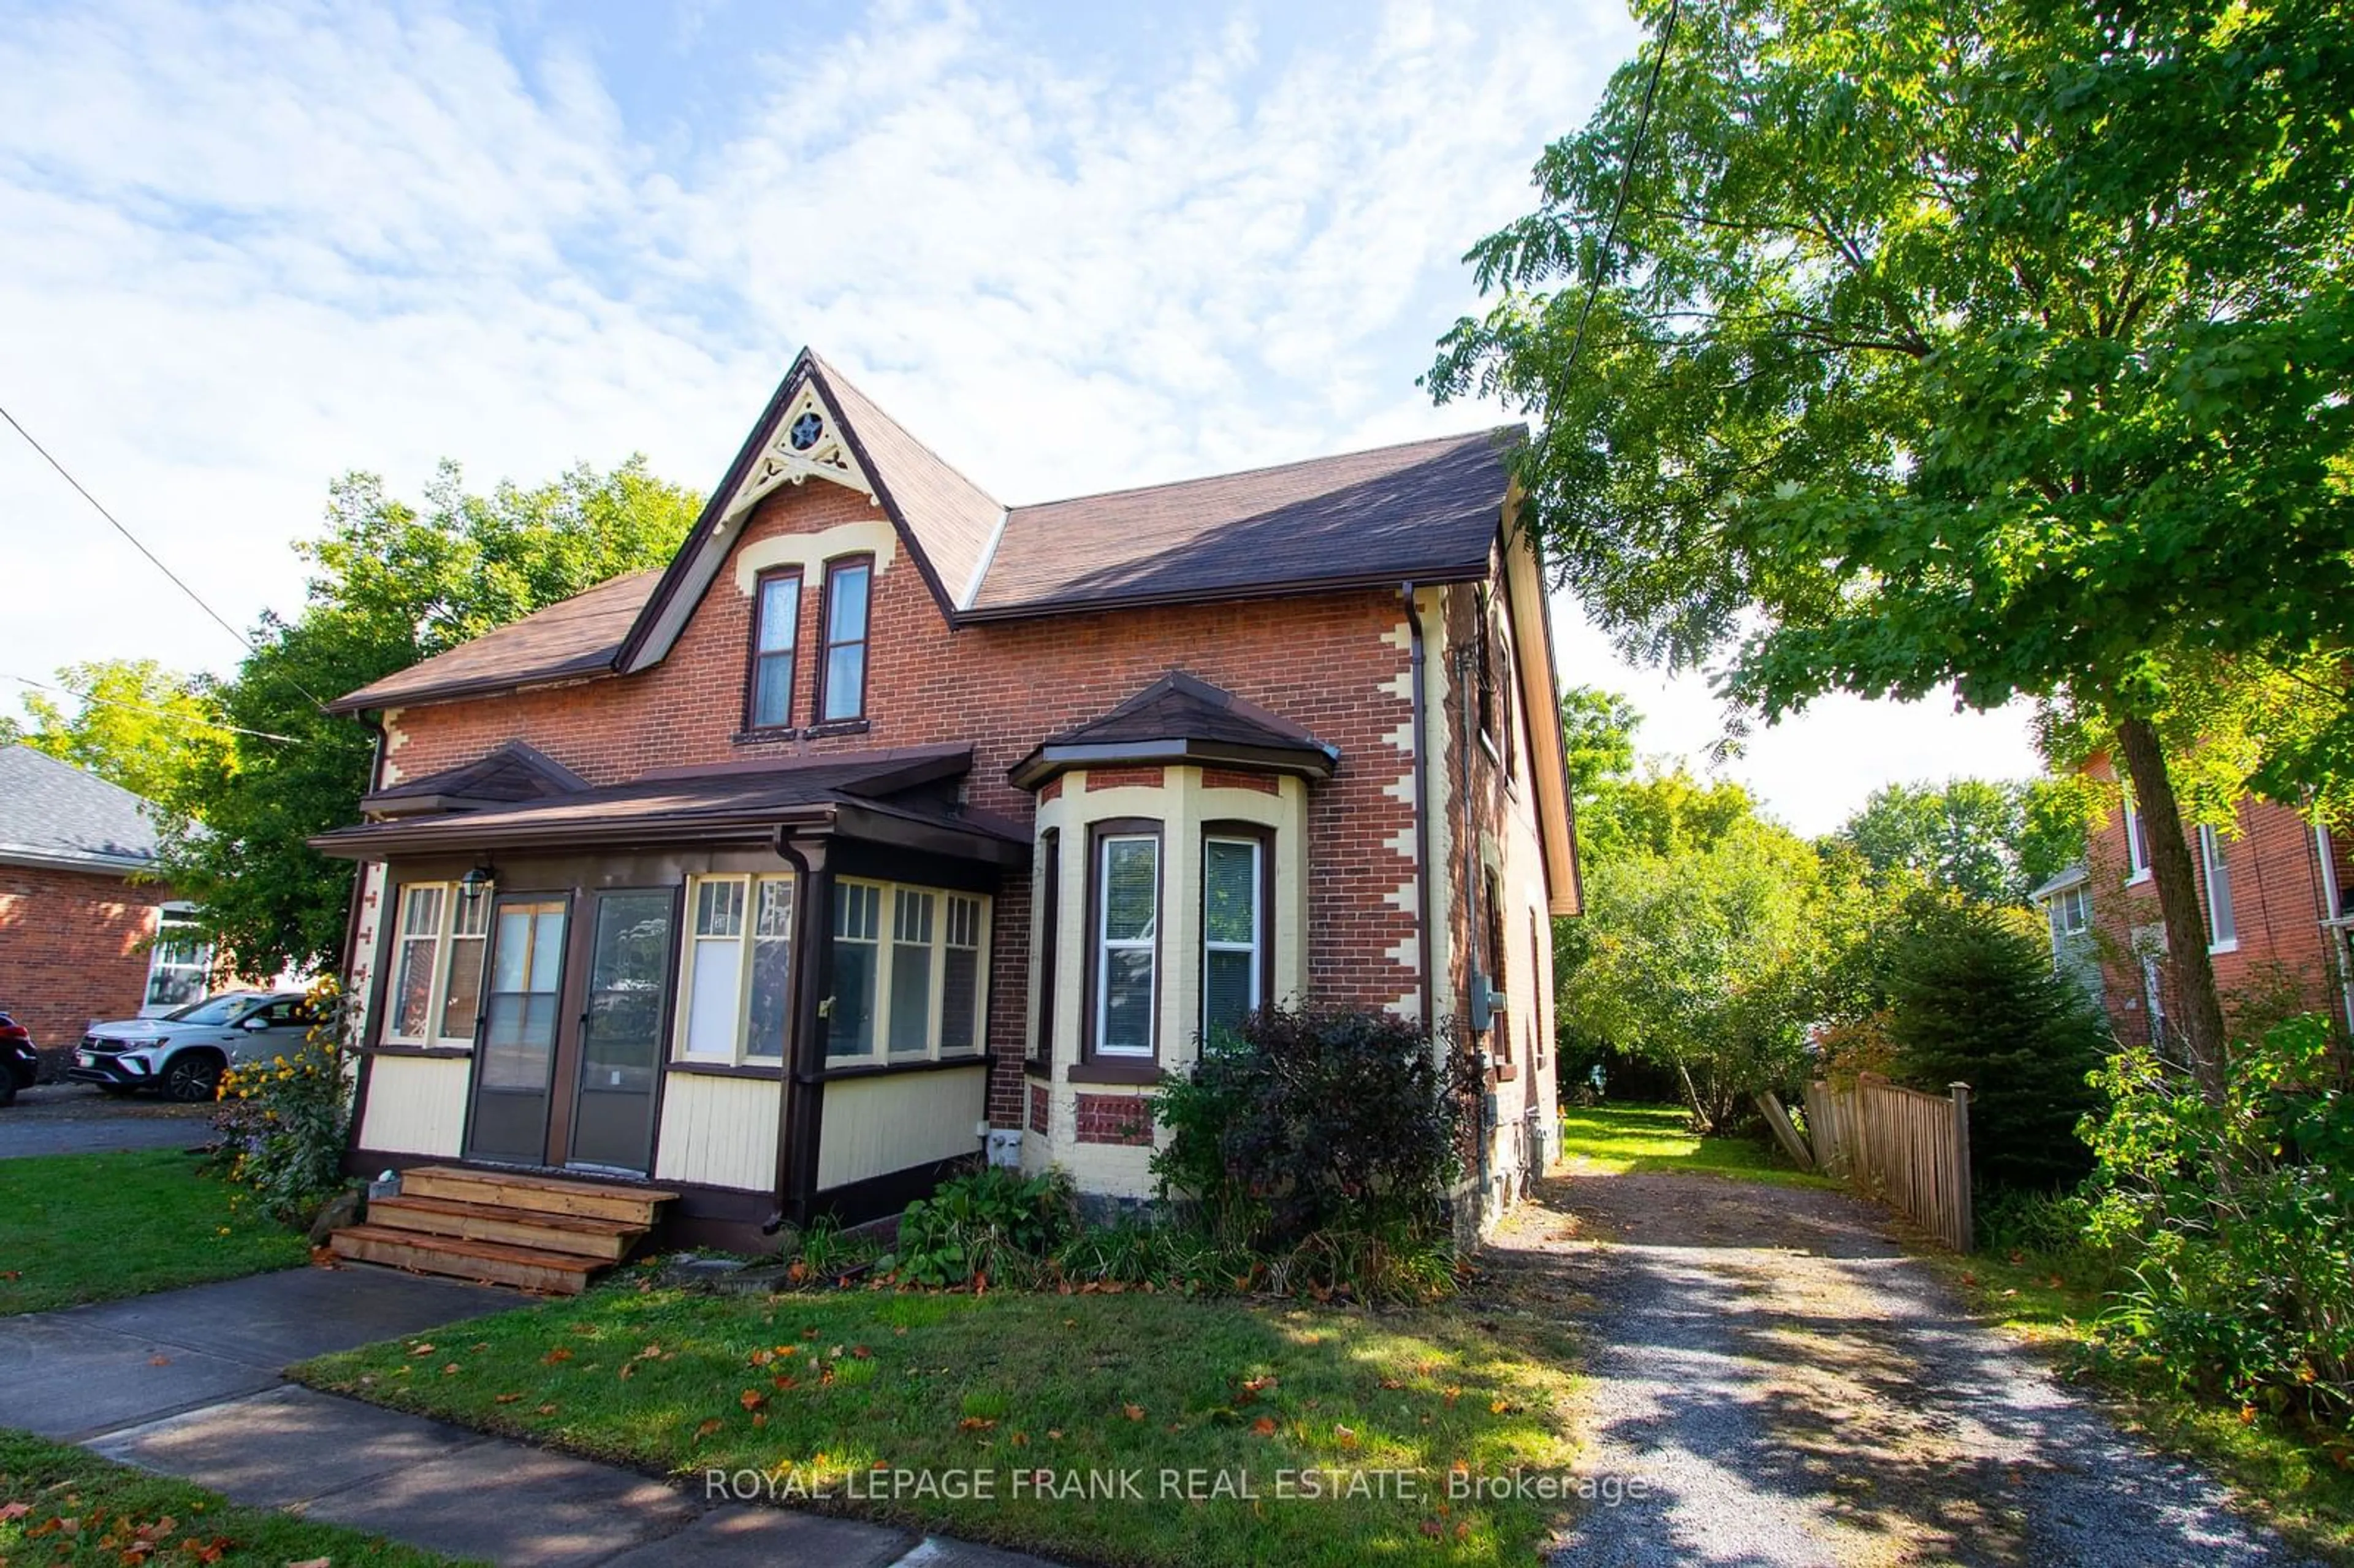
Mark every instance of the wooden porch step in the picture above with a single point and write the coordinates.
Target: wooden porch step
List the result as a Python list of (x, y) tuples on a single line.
[(607, 1241), (528, 1269), (541, 1195)]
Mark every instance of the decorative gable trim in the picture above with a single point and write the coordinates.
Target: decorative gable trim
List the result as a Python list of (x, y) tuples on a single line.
[(804, 443), (768, 460)]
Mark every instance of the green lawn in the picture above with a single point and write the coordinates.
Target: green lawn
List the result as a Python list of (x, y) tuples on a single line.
[(890, 1405), (90, 1227), (1609, 1140), (79, 1511)]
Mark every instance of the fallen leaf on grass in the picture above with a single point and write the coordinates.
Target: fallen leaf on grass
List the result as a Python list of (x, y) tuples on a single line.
[(450, 1371), (1451, 1395), (1055, 1434), (1392, 1382), (547, 1410), (977, 1423), (312, 1562), (556, 1355), (14, 1510), (707, 1428), (1133, 1411), (1348, 1437), (506, 1398), (421, 1349), (751, 1399), (1264, 1426)]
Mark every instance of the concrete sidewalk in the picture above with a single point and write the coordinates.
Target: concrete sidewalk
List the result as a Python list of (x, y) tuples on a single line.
[(186, 1383)]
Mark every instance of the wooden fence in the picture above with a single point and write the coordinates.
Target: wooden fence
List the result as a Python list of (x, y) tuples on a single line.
[(1909, 1148)]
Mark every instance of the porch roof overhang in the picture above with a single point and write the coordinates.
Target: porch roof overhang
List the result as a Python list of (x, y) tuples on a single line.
[(849, 796)]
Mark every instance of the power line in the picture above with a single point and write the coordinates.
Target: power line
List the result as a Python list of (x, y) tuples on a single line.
[(1626, 184), (192, 720), (153, 558)]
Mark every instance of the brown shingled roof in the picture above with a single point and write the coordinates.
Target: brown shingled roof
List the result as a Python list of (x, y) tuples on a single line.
[(1428, 510), (574, 636)]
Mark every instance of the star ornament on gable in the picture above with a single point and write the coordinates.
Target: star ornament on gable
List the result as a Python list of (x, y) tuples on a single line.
[(806, 430), (808, 444)]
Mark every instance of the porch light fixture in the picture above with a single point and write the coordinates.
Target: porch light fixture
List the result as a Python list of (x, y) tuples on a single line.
[(476, 883)]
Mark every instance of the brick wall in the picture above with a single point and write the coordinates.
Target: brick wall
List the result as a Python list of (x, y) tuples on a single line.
[(1332, 662), (2283, 958), (71, 950)]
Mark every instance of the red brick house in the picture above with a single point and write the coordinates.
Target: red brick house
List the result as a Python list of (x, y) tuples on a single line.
[(889, 825), (82, 936), (2277, 893)]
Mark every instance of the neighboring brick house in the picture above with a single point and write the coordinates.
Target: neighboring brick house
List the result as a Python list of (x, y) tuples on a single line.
[(82, 937), (2277, 894), (753, 849)]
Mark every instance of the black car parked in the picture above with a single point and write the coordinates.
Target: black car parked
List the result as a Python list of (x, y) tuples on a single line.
[(19, 1063)]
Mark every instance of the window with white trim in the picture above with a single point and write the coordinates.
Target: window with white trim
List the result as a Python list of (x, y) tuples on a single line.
[(1127, 942), (737, 968), (2136, 841), (915, 996), (2070, 911), (2222, 926), (180, 962), (1234, 931), (436, 965)]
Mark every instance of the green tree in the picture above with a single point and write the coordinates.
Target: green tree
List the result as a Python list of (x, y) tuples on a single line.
[(1994, 841), (392, 585), (1597, 729), (1699, 946), (134, 723), (1972, 998), (2005, 345)]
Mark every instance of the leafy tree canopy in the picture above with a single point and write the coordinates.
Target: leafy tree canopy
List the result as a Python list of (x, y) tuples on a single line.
[(392, 584), (1992, 841), (135, 723), (2008, 345)]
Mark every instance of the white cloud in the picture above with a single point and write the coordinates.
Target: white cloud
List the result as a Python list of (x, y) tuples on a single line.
[(252, 247)]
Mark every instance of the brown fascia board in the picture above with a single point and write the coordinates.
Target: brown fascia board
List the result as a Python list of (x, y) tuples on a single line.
[(375, 842), (896, 766), (588, 667), (1308, 762), (883, 493), (1289, 587)]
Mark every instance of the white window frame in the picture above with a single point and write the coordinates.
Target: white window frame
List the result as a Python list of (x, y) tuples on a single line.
[(2136, 844), (950, 910), (747, 940), (1103, 947), (2215, 869), (444, 938), (159, 949), (1255, 945)]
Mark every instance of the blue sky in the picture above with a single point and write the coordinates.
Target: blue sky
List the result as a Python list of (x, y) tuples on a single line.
[(1074, 247)]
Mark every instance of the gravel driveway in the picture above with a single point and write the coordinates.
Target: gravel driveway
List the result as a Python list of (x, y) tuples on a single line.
[(1789, 1387), (75, 1118)]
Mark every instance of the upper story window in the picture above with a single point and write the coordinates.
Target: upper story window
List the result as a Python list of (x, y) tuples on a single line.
[(1124, 973), (776, 631), (1234, 929), (842, 675), (437, 974), (2222, 925), (2070, 912), (2136, 841)]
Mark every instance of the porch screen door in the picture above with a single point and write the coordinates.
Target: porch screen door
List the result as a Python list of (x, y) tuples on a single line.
[(621, 1033), (514, 1063)]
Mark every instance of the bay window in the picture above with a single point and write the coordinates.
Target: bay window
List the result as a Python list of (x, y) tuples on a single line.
[(1235, 953), (1127, 931)]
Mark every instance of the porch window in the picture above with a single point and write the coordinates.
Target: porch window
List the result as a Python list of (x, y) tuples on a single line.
[(1127, 942), (738, 963), (776, 628), (857, 963), (179, 965), (437, 966), (842, 685), (916, 996), (2222, 926), (1234, 931)]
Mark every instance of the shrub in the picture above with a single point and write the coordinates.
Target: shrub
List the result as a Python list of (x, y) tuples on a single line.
[(1313, 1121), (2231, 1221), (1972, 998), (283, 1121), (991, 1225)]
